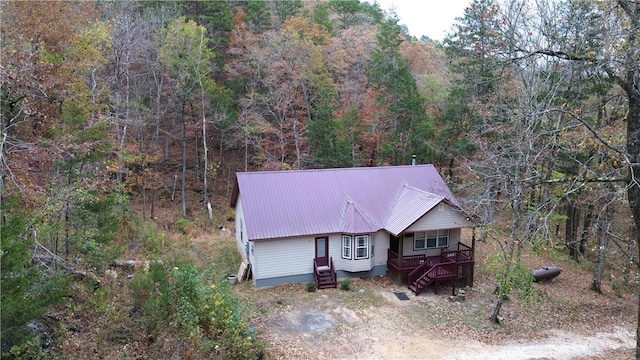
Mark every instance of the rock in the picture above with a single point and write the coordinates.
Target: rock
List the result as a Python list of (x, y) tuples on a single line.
[(111, 275), (459, 297), (39, 329)]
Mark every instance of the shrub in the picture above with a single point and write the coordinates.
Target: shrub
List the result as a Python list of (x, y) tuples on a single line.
[(311, 286), (345, 284), (26, 292), (151, 297), (205, 311)]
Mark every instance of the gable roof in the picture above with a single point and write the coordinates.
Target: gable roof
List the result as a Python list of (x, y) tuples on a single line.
[(279, 204)]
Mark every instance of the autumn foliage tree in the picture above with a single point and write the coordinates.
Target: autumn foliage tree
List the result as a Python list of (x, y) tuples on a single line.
[(537, 70), (527, 106)]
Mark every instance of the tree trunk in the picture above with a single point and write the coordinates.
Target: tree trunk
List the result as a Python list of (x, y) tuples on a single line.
[(490, 207), (197, 147), (571, 230), (603, 242), (205, 149), (67, 239), (584, 237), (297, 141), (184, 164), (629, 254), (495, 315), (158, 81), (633, 188)]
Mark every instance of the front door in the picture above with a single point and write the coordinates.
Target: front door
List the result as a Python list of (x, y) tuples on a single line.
[(322, 251)]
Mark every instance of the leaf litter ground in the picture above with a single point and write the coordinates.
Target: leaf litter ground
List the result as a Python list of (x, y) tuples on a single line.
[(565, 320)]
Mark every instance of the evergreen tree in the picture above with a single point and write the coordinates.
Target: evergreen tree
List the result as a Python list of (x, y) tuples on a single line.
[(25, 292), (321, 16), (258, 15), (390, 74)]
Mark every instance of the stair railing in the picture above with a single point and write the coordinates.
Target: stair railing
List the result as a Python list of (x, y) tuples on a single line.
[(419, 271)]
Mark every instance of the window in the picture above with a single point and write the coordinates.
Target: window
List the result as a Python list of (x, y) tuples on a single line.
[(432, 239), (346, 246), (419, 241), (438, 239), (359, 244), (362, 246), (443, 238), (428, 239)]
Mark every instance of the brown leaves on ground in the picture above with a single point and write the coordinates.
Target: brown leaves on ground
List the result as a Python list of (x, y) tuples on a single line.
[(331, 324)]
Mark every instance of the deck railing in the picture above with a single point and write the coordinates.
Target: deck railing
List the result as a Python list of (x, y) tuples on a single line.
[(463, 254), (444, 268), (406, 262), (329, 264)]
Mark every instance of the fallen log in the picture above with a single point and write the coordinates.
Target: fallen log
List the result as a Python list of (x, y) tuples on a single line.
[(545, 273)]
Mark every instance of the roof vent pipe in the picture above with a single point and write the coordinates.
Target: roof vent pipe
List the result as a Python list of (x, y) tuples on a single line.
[(413, 159)]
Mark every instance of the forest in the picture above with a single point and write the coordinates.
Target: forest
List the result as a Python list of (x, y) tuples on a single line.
[(124, 121)]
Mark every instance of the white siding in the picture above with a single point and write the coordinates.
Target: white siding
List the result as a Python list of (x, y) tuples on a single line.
[(382, 245), (283, 257), (441, 217), (454, 238), (294, 256), (335, 251), (241, 229)]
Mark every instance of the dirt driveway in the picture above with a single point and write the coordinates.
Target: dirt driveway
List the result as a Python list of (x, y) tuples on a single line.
[(371, 322)]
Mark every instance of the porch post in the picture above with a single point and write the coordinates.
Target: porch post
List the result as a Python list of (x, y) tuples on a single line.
[(473, 242), (473, 254), (400, 246)]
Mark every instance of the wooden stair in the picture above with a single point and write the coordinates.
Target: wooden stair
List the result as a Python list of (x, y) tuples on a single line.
[(326, 279), (435, 274), (325, 276), (422, 283)]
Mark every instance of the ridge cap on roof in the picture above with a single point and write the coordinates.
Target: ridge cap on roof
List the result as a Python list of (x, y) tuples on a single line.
[(422, 191), (360, 211), (356, 168)]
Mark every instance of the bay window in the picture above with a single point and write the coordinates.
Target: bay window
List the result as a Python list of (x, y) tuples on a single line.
[(355, 247)]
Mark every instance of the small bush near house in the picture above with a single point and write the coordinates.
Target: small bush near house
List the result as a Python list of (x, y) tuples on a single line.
[(311, 286), (345, 284)]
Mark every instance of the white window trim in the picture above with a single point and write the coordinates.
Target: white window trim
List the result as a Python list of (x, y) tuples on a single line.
[(419, 236), (347, 245), (443, 233), (350, 243), (424, 236), (358, 247)]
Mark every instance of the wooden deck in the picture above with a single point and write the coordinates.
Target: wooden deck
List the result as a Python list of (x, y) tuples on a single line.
[(422, 271)]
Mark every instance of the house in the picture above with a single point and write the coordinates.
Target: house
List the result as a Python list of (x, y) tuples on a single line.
[(325, 225)]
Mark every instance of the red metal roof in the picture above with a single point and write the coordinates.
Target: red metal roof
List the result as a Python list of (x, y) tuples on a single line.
[(279, 204)]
